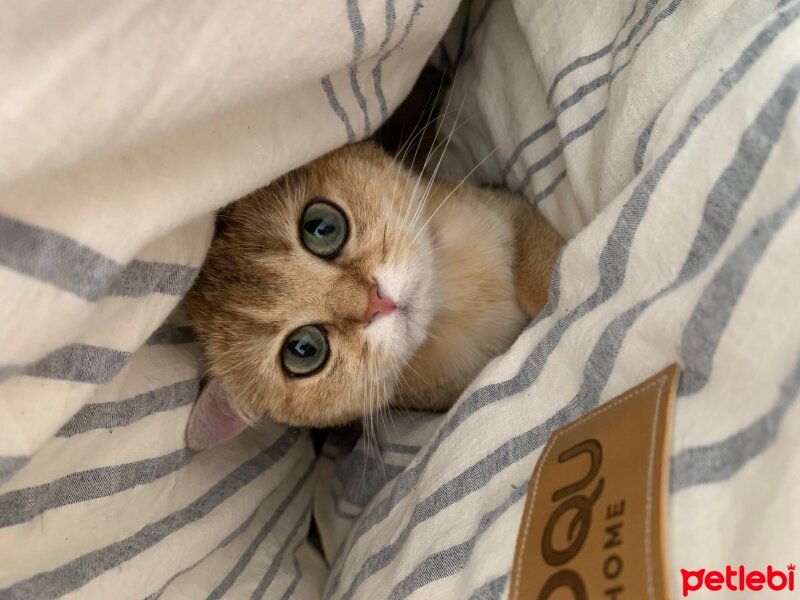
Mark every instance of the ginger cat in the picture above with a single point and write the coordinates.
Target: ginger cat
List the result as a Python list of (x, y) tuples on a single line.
[(352, 284)]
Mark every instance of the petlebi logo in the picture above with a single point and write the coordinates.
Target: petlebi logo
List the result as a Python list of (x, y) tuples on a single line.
[(739, 579)]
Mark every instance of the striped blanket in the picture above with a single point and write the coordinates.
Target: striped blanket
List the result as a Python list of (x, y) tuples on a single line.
[(662, 137)]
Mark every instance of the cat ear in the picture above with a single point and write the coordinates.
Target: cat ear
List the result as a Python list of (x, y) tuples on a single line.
[(212, 420)]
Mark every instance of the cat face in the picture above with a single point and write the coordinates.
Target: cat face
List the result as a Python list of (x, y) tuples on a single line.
[(316, 293)]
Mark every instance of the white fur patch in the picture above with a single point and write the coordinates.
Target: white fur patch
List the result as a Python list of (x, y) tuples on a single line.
[(409, 282)]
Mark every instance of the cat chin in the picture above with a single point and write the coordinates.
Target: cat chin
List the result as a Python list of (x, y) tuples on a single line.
[(394, 336)]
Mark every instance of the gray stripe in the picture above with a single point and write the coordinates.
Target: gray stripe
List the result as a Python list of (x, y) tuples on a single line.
[(481, 17), (465, 483), (722, 206), (391, 21), (342, 513), (277, 560), (83, 569), (721, 461), (462, 40), (228, 539), (553, 291), (585, 89), (398, 448), (555, 153), (453, 559), (327, 87), (328, 454), (740, 176), (9, 465), (169, 334), (357, 28), (648, 9), (669, 10), (641, 145), (61, 261), (732, 188), (476, 27), (588, 59), (362, 476), (139, 278), (599, 82), (550, 188), (578, 95), (527, 141), (22, 505), (108, 415), (711, 314), (491, 590), (252, 548), (377, 71), (297, 571), (613, 261), (74, 362)]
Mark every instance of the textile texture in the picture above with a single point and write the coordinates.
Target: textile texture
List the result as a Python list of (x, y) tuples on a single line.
[(661, 137)]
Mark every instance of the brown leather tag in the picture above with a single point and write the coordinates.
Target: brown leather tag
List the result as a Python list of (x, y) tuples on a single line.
[(593, 525)]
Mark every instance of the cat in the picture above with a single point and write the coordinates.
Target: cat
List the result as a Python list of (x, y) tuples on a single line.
[(352, 284)]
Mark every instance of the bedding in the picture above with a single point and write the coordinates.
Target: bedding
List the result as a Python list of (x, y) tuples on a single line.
[(124, 127), (661, 138)]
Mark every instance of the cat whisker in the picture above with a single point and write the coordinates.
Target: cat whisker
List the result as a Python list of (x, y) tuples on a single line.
[(377, 383), (427, 158), (400, 380), (407, 145), (455, 189), (389, 412), (439, 117), (446, 110), (431, 335), (382, 420), (411, 368), (367, 445), (431, 179), (366, 421), (399, 166)]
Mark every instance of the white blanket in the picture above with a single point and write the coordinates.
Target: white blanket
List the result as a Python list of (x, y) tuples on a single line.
[(124, 126), (662, 137)]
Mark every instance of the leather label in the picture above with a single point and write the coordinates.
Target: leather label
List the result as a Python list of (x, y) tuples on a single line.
[(594, 519)]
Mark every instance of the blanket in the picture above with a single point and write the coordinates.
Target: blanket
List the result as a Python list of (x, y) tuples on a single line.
[(660, 137)]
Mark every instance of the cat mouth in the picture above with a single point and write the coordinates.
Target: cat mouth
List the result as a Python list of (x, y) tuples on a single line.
[(414, 314), (409, 301)]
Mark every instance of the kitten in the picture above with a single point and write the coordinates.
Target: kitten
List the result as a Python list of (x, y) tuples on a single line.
[(352, 284)]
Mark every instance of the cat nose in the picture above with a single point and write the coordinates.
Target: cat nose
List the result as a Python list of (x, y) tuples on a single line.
[(378, 306)]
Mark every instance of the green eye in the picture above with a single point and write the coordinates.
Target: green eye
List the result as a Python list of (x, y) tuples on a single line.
[(305, 350), (324, 229)]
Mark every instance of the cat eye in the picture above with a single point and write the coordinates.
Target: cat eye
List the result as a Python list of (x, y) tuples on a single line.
[(305, 350), (324, 229)]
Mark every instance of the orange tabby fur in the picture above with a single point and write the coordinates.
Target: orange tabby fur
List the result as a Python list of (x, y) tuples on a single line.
[(472, 268)]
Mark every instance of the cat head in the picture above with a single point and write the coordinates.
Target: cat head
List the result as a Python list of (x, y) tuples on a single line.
[(315, 294)]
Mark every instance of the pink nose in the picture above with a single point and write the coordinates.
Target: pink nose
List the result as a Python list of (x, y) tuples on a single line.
[(377, 305)]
